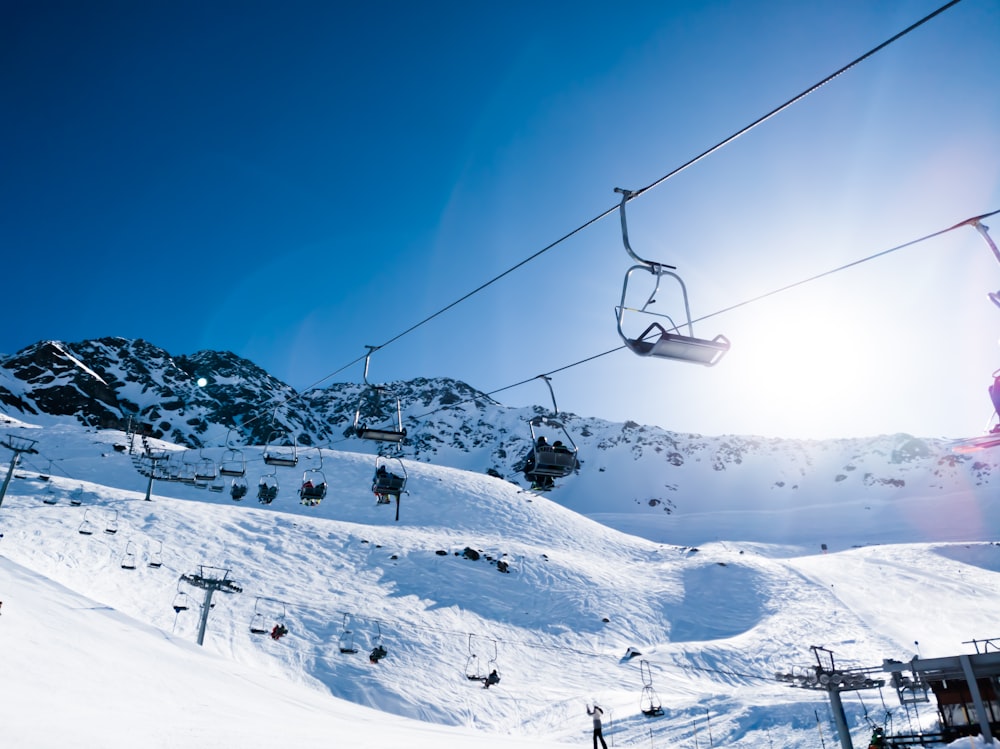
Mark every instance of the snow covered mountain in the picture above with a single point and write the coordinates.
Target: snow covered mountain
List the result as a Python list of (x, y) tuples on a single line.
[(719, 559), (637, 478), (99, 613)]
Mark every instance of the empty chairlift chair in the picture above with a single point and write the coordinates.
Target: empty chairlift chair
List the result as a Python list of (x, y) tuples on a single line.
[(657, 339), (649, 701), (233, 463), (276, 453), (370, 423)]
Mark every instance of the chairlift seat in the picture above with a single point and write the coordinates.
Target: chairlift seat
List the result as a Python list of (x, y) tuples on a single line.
[(676, 346), (380, 435), (279, 459), (388, 483)]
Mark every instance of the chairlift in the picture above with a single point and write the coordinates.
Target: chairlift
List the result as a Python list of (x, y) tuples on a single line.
[(205, 470), (50, 498), (86, 527), (371, 403), (658, 340), (649, 701), (182, 601), (76, 497), (268, 618), (128, 558), (156, 557), (111, 526), (345, 642), (186, 470), (378, 652), (238, 488), (218, 485), (233, 462), (267, 488), (491, 664), (551, 457), (313, 488), (276, 454), (386, 483), (473, 667)]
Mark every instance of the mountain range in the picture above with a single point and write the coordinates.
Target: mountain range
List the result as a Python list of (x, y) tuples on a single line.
[(212, 400)]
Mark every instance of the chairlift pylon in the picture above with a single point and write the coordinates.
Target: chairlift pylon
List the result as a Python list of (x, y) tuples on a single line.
[(372, 403), (657, 340)]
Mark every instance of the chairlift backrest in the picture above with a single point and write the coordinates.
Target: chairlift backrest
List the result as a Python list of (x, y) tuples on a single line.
[(233, 463)]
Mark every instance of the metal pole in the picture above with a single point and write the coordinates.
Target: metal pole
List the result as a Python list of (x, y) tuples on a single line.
[(977, 699), (10, 472), (206, 607), (149, 485), (840, 719)]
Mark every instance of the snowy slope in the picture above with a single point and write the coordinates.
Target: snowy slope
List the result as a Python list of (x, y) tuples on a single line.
[(714, 623)]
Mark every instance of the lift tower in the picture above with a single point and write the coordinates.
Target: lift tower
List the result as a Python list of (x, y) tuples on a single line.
[(209, 581), (18, 445)]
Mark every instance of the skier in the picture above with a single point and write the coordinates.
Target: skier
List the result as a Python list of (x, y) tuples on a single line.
[(493, 678), (596, 712), (878, 739)]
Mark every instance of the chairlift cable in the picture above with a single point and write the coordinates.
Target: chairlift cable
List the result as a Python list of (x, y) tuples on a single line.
[(633, 194), (790, 102), (967, 222), (682, 167)]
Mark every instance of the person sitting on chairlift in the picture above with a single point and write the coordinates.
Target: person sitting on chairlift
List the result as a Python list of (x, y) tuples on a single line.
[(493, 678), (279, 631), (537, 482), (377, 654)]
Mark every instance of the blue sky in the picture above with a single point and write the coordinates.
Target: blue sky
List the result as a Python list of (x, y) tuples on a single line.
[(295, 181)]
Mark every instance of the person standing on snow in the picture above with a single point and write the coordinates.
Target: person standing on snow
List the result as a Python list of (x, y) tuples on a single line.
[(596, 712)]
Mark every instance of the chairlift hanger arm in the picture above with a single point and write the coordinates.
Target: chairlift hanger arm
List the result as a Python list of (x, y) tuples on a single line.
[(983, 229), (548, 381), (626, 196)]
